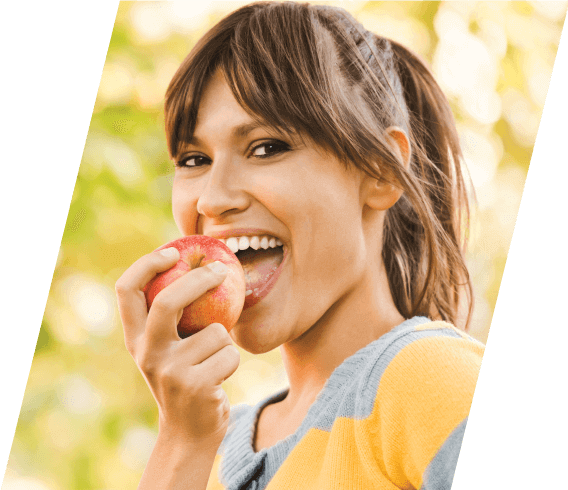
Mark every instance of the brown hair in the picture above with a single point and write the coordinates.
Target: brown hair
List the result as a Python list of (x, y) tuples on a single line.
[(314, 70)]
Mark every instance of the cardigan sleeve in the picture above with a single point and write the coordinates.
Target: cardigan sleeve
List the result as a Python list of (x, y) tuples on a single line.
[(421, 408)]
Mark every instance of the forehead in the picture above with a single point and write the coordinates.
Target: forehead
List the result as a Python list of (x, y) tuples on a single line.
[(218, 105), (219, 115), (217, 94)]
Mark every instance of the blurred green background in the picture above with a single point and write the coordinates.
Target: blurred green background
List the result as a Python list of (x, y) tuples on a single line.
[(88, 420)]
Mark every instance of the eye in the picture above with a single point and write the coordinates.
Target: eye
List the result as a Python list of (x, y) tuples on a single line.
[(193, 161), (270, 148), (262, 150)]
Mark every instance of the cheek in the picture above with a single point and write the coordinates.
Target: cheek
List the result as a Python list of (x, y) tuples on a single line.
[(331, 235), (278, 195), (273, 190), (184, 210)]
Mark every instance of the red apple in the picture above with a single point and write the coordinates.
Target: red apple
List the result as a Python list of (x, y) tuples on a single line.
[(222, 304)]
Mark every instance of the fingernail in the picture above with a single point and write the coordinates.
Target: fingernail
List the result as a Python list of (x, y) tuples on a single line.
[(169, 252), (218, 267)]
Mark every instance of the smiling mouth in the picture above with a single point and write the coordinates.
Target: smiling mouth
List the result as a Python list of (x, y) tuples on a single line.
[(260, 268)]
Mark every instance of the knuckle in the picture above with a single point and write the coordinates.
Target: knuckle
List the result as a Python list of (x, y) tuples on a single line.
[(169, 375), (196, 385), (130, 347), (221, 329), (146, 364), (173, 378), (220, 332), (132, 344), (120, 287), (229, 361), (234, 353), (174, 381), (161, 303), (217, 396)]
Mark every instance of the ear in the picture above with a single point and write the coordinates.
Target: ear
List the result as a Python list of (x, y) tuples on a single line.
[(399, 143), (383, 194)]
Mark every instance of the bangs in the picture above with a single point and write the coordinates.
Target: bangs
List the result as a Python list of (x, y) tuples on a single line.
[(282, 65)]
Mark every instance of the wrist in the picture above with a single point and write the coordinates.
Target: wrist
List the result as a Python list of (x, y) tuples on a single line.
[(179, 462), (173, 437)]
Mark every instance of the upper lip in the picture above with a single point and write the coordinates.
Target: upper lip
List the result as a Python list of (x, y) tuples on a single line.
[(238, 232)]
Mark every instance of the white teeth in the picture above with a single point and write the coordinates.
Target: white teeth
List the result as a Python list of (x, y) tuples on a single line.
[(233, 244), (248, 293), (221, 240), (243, 243), (255, 242)]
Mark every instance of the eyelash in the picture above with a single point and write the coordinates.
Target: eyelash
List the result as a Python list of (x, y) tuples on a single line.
[(281, 148)]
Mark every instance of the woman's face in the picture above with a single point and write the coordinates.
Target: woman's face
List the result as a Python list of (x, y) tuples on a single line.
[(235, 179)]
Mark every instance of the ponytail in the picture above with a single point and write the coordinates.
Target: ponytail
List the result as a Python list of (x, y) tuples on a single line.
[(424, 243)]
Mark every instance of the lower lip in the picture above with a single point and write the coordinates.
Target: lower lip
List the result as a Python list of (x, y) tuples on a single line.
[(256, 296)]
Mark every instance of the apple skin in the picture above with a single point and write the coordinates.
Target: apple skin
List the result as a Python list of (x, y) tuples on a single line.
[(222, 304)]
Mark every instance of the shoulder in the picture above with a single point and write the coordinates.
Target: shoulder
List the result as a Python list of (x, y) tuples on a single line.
[(424, 371), (432, 361), (421, 359), (419, 389)]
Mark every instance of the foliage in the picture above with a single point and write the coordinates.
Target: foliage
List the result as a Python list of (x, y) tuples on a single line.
[(88, 420)]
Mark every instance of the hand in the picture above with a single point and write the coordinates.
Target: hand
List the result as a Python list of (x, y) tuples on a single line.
[(184, 376)]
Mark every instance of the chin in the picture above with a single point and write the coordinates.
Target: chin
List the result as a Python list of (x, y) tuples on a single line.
[(256, 337)]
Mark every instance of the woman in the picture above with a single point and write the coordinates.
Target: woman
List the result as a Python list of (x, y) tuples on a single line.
[(290, 123)]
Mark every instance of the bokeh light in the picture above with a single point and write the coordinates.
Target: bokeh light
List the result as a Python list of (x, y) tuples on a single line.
[(136, 447), (88, 420)]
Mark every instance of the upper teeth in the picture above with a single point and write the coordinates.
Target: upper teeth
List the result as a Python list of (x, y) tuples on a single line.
[(236, 243)]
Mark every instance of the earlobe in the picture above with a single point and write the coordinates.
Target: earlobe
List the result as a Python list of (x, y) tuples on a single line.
[(381, 195)]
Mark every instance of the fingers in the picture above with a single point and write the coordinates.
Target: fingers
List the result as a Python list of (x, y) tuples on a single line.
[(169, 302), (209, 355), (131, 301), (218, 367), (204, 343)]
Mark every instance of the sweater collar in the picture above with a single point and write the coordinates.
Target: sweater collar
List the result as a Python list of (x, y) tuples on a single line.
[(241, 465)]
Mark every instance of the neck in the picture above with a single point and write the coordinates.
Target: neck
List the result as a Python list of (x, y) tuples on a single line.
[(361, 316)]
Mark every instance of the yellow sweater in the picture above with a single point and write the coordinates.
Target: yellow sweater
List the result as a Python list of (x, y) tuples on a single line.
[(391, 416)]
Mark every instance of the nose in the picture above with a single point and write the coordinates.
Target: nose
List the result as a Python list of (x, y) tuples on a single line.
[(222, 194)]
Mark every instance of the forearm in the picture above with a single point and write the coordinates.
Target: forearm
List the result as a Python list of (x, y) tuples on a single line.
[(177, 465)]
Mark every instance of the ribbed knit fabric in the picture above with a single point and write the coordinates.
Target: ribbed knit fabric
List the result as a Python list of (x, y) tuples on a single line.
[(391, 416)]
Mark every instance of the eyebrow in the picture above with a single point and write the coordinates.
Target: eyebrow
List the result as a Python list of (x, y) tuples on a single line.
[(238, 132)]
